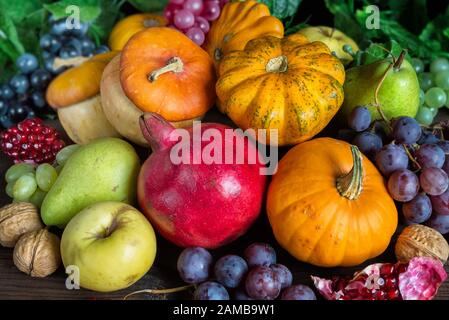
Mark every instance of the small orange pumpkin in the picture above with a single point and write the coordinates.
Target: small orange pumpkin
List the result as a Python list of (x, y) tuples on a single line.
[(163, 71), (289, 85), (131, 25), (240, 22), (328, 205), (75, 94)]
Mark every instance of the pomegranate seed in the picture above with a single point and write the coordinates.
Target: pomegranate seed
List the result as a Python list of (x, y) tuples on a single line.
[(387, 269), (31, 141)]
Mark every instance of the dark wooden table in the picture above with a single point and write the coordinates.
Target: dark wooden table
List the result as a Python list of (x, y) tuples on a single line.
[(163, 274)]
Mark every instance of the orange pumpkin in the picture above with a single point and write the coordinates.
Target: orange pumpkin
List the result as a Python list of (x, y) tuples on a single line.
[(328, 205), (239, 23), (75, 94), (288, 84), (163, 71), (131, 25)]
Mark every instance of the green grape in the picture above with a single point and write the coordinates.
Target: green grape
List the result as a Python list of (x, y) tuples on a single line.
[(418, 65), (65, 153), (435, 97), (422, 97), (434, 110), (424, 116), (447, 99), (442, 79), (439, 64), (426, 81), (38, 197), (46, 176), (16, 171), (9, 188), (24, 187)]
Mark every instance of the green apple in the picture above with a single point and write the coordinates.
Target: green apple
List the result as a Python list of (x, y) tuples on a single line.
[(333, 38), (111, 243)]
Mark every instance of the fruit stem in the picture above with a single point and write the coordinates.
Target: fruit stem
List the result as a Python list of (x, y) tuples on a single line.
[(350, 185), (174, 64), (156, 130), (397, 65), (159, 291), (412, 159), (70, 62), (376, 96), (277, 65)]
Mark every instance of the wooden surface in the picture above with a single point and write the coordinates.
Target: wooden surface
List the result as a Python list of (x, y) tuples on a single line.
[(163, 274)]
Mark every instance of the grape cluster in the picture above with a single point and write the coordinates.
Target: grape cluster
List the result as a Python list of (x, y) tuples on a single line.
[(29, 183), (414, 160), (193, 17), (255, 276), (434, 83), (23, 96)]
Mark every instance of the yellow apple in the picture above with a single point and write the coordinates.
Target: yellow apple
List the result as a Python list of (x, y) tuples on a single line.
[(333, 38), (111, 243)]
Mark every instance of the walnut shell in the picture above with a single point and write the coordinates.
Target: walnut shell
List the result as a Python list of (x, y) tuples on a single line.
[(421, 241), (17, 219), (37, 253)]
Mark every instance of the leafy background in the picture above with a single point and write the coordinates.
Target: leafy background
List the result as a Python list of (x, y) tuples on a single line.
[(421, 26)]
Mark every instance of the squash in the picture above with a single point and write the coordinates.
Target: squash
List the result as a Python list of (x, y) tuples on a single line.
[(131, 25), (75, 96), (120, 111), (163, 71), (328, 205), (239, 23), (289, 85), (334, 39)]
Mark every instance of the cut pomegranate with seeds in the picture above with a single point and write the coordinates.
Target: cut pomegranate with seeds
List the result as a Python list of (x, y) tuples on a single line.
[(31, 141), (417, 280)]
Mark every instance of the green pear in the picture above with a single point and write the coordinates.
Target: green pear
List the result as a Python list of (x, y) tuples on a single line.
[(398, 94), (103, 170)]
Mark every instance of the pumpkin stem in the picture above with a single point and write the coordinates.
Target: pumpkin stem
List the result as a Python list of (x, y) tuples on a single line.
[(350, 185), (277, 65), (173, 65), (70, 62)]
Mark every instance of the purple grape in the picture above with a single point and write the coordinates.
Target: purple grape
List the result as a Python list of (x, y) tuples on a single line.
[(406, 130), (184, 19), (439, 222), (440, 204), (433, 181), (359, 119), (403, 185), (259, 254), (444, 145), (368, 143), (391, 158), (427, 138), (262, 283), (430, 155), (27, 63), (284, 274), (230, 270), (240, 294), (298, 292), (418, 210), (194, 265), (211, 291), (445, 166)]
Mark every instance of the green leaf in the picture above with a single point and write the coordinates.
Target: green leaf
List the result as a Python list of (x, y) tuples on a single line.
[(148, 5), (380, 51), (89, 9), (282, 9), (102, 26), (344, 18)]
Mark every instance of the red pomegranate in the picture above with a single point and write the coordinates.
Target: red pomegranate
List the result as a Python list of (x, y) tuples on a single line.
[(195, 202), (417, 280)]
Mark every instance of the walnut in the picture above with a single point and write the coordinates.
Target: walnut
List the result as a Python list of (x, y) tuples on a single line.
[(17, 219), (37, 253), (418, 240)]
